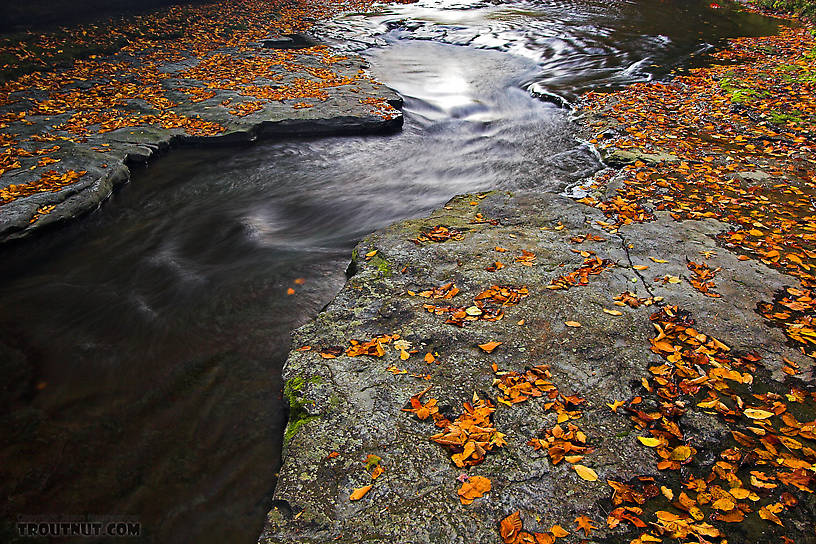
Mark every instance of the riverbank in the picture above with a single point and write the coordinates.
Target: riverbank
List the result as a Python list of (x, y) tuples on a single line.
[(631, 362), (214, 74)]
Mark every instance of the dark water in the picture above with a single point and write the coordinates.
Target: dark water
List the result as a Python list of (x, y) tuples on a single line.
[(141, 347)]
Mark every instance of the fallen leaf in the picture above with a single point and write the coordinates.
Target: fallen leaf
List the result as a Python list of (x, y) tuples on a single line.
[(558, 531), (585, 525), (490, 346), (359, 493), (680, 453), (586, 473), (755, 413), (510, 527), (649, 442), (473, 488), (766, 514), (614, 405)]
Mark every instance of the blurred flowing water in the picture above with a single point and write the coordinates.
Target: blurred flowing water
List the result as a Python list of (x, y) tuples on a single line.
[(141, 347)]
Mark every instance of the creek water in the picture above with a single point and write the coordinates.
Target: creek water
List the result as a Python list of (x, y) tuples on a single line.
[(141, 347)]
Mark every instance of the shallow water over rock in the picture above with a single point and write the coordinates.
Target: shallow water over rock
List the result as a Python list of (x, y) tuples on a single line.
[(142, 345)]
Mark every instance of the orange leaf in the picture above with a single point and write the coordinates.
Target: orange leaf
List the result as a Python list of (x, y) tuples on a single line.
[(585, 524), (490, 346), (510, 526), (767, 515), (543, 538), (474, 488), (558, 531), (359, 493)]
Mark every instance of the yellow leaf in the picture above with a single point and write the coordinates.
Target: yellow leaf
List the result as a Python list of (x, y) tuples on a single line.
[(359, 493), (404, 354), (680, 453), (371, 254), (755, 413), (586, 473), (640, 266), (572, 324), (614, 405), (612, 312), (658, 260), (767, 515), (649, 442), (740, 493), (725, 504)]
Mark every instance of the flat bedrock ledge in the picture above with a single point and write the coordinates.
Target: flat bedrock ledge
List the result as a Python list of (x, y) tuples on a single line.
[(350, 102), (346, 408), (142, 145)]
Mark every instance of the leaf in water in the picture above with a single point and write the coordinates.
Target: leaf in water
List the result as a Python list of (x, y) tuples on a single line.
[(755, 413)]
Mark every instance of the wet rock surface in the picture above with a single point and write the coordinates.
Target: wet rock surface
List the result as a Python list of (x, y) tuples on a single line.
[(180, 110), (352, 407)]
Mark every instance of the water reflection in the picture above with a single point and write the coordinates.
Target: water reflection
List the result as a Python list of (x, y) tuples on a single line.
[(579, 45)]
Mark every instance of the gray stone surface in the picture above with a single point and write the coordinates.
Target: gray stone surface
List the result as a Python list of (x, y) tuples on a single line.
[(353, 406)]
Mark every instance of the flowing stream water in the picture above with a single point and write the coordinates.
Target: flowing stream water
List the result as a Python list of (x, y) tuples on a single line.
[(141, 347)]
